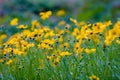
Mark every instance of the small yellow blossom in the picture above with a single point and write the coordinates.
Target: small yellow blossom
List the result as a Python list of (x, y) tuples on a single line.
[(93, 77), (65, 53), (90, 51), (49, 57), (14, 22), (108, 23), (16, 51), (82, 23), (62, 22), (60, 13), (1, 60), (35, 24), (2, 37), (77, 49), (22, 26), (9, 62), (73, 20), (45, 15), (118, 41)]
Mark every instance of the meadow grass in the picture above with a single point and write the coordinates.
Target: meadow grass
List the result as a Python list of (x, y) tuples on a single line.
[(69, 51)]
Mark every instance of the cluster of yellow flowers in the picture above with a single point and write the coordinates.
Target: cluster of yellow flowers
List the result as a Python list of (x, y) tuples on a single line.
[(14, 22), (58, 42), (113, 34)]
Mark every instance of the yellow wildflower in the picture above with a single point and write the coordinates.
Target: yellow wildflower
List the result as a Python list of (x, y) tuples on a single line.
[(60, 13), (49, 57), (118, 41), (2, 37), (9, 62), (22, 26), (7, 50), (93, 77), (61, 23), (114, 32), (35, 24), (77, 48), (108, 23), (66, 44), (108, 40), (82, 23), (14, 22), (98, 27), (56, 30), (73, 20), (66, 53), (16, 51), (45, 15), (76, 32), (90, 51), (56, 61), (1, 60)]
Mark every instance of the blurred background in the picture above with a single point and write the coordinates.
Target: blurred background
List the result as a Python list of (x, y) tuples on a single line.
[(82, 10)]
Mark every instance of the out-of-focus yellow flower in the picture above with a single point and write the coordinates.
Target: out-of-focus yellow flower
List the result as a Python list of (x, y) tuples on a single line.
[(22, 26), (95, 38), (93, 77), (74, 21), (7, 50), (35, 24), (2, 37), (14, 22), (9, 62), (60, 13), (77, 48), (76, 32), (66, 53), (46, 44), (108, 40), (67, 26), (90, 51), (16, 51), (114, 32), (82, 23), (49, 57), (1, 60), (61, 23), (99, 27), (61, 39), (108, 23), (56, 30), (45, 15), (118, 41), (66, 44), (49, 34), (30, 45), (56, 61)]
